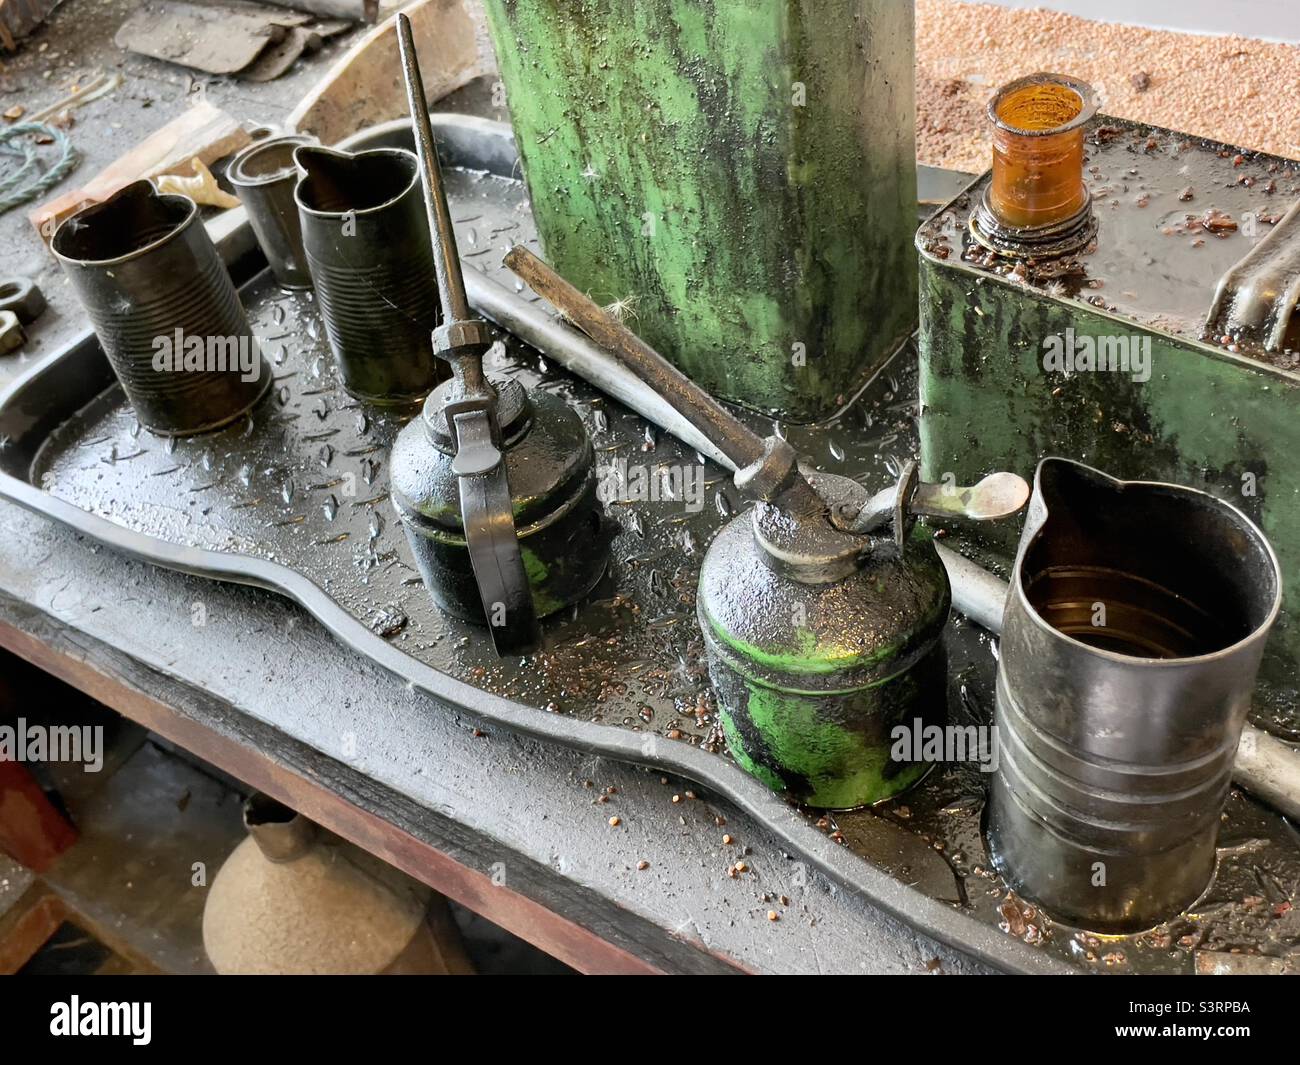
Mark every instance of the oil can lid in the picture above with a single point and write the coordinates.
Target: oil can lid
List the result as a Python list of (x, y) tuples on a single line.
[(809, 548), (514, 413)]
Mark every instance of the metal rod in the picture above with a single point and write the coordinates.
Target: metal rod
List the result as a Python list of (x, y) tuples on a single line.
[(532, 323), (451, 283), (740, 444), (1270, 770), (976, 592)]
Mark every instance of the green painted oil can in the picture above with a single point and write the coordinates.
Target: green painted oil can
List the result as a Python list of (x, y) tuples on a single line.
[(737, 175), (822, 643), (1160, 351)]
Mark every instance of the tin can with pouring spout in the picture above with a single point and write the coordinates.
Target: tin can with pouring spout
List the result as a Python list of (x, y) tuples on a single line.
[(165, 310), (1133, 633)]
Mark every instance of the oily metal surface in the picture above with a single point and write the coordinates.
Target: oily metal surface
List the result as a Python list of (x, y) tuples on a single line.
[(302, 483), (1174, 213)]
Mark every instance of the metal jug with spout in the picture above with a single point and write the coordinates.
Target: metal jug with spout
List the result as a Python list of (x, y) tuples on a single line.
[(1132, 636), (366, 243)]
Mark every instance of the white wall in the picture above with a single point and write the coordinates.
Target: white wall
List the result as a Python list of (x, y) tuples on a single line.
[(1277, 20)]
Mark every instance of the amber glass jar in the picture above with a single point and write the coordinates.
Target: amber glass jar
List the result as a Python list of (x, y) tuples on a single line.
[(1038, 125)]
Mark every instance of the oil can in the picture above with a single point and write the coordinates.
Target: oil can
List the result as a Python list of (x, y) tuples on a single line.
[(495, 488), (822, 606), (816, 668), (550, 467)]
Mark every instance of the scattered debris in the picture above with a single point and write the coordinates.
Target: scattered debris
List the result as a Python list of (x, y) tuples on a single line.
[(1216, 222), (253, 41), (1224, 963), (22, 296), (201, 131), (388, 621)]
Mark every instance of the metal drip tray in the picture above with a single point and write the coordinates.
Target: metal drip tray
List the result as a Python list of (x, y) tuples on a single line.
[(294, 498)]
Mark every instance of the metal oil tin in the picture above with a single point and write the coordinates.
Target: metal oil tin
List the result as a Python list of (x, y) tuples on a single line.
[(165, 310)]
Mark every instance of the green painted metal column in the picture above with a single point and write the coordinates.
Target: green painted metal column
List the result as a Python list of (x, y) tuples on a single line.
[(739, 175)]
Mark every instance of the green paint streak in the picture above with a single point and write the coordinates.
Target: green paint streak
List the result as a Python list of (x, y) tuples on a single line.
[(813, 656), (668, 162), (538, 572), (843, 770), (737, 748)]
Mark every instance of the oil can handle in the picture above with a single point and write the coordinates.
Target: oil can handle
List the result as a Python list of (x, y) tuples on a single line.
[(490, 537)]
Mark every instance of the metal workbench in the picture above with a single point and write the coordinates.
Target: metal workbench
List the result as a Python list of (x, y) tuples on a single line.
[(508, 826)]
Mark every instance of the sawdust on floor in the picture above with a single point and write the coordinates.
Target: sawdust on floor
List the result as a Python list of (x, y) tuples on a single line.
[(1235, 89)]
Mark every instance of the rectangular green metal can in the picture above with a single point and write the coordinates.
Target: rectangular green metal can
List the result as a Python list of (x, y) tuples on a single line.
[(1102, 359), (737, 176)]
